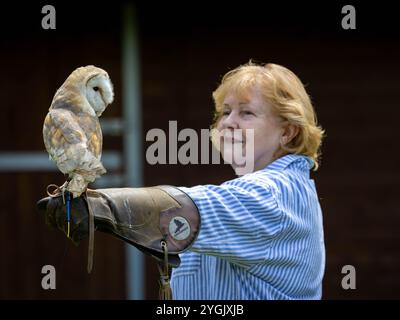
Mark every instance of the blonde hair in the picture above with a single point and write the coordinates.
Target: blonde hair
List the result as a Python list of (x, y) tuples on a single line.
[(287, 96)]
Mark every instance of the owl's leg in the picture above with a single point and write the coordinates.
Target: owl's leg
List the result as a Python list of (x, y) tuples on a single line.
[(77, 185)]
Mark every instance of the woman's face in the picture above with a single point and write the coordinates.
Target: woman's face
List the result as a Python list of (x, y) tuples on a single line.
[(250, 112)]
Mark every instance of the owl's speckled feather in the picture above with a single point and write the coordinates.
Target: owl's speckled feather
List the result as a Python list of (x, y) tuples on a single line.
[(71, 131)]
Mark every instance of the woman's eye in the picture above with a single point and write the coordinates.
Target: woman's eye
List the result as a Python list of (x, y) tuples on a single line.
[(226, 112), (247, 113)]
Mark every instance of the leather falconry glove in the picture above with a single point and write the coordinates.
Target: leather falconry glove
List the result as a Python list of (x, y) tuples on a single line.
[(160, 221)]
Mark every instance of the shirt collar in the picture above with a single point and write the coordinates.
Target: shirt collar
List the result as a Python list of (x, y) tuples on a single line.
[(281, 163)]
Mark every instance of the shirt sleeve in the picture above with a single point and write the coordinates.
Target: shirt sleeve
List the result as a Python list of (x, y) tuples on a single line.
[(238, 220)]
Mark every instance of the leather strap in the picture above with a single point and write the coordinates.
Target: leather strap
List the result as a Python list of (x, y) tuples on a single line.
[(165, 287), (91, 236)]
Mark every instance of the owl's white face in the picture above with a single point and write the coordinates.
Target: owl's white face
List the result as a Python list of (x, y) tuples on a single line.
[(99, 93)]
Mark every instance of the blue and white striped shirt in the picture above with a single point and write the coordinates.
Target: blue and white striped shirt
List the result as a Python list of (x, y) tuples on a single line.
[(261, 237)]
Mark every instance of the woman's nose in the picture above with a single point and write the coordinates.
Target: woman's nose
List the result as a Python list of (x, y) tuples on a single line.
[(231, 121)]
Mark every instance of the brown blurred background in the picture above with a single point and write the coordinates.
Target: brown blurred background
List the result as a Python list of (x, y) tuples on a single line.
[(183, 51)]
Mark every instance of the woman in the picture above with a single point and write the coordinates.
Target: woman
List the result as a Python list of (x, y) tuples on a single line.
[(261, 234)]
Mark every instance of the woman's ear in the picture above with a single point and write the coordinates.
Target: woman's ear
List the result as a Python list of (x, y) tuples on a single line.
[(289, 133)]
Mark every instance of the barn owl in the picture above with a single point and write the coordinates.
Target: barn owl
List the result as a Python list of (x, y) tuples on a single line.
[(71, 131)]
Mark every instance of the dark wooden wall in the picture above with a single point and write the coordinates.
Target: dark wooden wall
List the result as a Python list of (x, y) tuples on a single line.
[(352, 77)]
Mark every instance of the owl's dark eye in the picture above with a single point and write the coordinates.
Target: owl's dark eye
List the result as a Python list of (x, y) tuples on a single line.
[(96, 88)]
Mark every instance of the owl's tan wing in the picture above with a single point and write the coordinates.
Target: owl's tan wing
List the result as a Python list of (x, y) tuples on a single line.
[(64, 139), (91, 127)]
